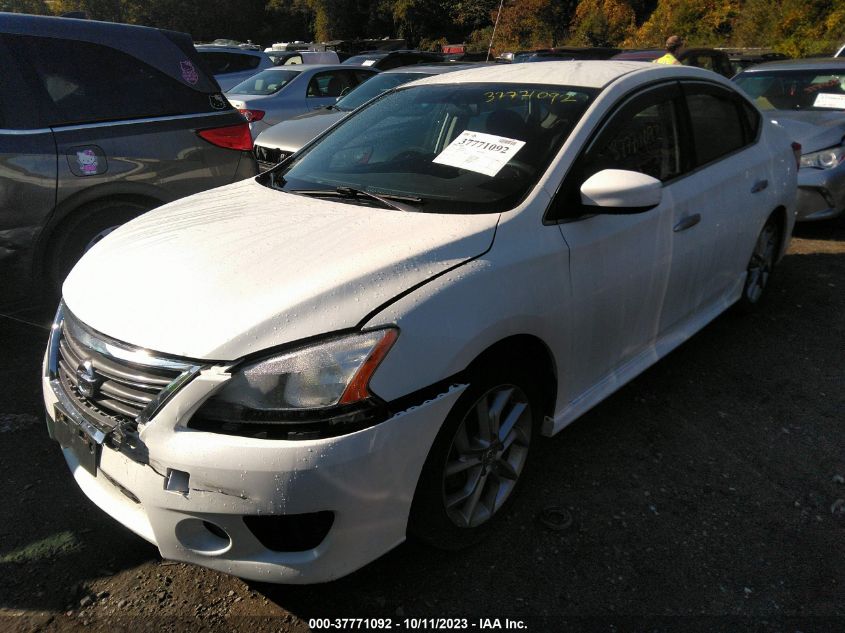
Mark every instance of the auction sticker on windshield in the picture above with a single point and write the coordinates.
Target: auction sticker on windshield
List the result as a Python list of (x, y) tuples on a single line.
[(827, 100), (479, 152)]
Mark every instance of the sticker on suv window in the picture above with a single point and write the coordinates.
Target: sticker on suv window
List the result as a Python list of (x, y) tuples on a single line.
[(828, 100), (479, 152), (189, 73)]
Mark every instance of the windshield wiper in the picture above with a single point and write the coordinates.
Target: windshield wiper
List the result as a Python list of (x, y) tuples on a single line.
[(389, 201)]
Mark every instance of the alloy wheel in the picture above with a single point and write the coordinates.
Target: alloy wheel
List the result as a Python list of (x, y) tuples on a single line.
[(487, 456), (762, 262)]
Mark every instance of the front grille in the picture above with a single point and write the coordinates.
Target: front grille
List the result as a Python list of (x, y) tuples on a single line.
[(269, 157), (111, 389)]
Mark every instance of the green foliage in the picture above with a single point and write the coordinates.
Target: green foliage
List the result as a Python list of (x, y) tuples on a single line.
[(35, 7), (796, 27), (603, 22)]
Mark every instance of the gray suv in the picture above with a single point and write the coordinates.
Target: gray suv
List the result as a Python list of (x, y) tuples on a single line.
[(99, 123)]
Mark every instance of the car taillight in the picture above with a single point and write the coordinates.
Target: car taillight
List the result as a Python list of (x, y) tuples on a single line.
[(252, 115), (796, 150), (230, 137)]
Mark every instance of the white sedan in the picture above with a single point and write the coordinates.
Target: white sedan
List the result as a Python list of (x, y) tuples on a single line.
[(282, 378)]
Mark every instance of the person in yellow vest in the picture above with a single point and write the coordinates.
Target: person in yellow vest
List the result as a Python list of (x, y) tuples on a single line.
[(673, 44)]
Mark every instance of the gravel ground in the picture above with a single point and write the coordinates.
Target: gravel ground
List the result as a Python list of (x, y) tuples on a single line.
[(708, 494)]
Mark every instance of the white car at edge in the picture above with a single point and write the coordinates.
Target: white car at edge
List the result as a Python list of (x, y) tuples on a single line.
[(282, 378)]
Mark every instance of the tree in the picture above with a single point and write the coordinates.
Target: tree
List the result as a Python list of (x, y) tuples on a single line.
[(34, 7), (704, 22), (603, 22)]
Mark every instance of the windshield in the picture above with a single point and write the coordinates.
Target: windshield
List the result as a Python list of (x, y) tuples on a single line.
[(374, 87), (454, 148), (795, 89), (267, 82)]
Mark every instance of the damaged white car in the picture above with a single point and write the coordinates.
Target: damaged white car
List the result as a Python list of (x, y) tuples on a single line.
[(282, 378)]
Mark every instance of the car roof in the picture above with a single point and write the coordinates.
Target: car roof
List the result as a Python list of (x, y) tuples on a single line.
[(587, 73), (162, 49), (308, 67), (430, 69), (818, 63)]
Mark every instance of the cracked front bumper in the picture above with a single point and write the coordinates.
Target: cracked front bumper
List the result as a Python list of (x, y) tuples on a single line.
[(821, 193), (366, 479)]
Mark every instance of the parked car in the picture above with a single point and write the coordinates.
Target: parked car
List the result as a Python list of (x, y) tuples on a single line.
[(369, 340), (742, 58), (275, 144), (288, 58), (568, 53), (709, 58), (278, 94), (100, 122), (385, 60), (231, 65), (807, 97)]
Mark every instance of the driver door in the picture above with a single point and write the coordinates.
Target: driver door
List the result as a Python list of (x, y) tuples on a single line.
[(620, 263)]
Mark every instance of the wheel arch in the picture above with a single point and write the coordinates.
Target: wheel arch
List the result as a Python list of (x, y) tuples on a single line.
[(529, 351)]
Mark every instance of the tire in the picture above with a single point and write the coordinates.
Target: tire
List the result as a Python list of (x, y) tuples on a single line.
[(84, 228), (761, 265), (471, 472)]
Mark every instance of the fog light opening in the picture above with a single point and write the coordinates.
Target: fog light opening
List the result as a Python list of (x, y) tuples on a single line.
[(203, 537)]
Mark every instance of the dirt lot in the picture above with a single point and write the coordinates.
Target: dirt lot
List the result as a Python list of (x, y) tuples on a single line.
[(705, 495)]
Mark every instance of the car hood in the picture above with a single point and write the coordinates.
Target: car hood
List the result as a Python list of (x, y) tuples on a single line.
[(243, 268), (291, 135), (815, 130)]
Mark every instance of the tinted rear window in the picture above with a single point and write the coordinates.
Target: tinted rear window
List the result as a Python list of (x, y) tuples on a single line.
[(87, 83), (222, 63)]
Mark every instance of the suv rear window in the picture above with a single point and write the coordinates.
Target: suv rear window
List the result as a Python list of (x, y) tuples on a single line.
[(222, 62), (88, 83)]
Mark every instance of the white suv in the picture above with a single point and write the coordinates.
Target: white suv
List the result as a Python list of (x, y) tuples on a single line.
[(281, 378)]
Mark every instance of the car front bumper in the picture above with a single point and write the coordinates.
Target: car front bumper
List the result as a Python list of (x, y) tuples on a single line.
[(821, 193), (192, 495)]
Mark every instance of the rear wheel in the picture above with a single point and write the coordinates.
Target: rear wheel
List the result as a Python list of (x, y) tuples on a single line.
[(477, 460), (82, 231), (760, 265)]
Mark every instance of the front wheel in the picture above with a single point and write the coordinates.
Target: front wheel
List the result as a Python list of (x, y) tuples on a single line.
[(477, 459), (760, 265)]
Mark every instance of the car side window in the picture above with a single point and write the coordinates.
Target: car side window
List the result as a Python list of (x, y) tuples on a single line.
[(87, 83), (716, 120), (333, 83), (643, 135), (643, 138)]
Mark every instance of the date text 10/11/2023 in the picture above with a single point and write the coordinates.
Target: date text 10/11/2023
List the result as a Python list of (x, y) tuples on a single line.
[(417, 624)]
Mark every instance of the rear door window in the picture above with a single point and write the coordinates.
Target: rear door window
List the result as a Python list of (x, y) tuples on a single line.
[(88, 83), (717, 121)]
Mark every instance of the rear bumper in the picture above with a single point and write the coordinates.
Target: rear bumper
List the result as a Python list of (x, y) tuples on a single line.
[(366, 479)]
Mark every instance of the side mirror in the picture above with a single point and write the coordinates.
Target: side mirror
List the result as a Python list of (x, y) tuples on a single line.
[(621, 191)]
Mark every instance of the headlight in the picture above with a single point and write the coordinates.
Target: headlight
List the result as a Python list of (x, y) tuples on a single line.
[(825, 159), (302, 390)]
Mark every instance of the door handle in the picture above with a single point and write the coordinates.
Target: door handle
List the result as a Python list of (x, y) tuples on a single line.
[(759, 186), (687, 223)]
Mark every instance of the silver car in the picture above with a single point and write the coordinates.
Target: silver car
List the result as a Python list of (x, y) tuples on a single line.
[(280, 141), (278, 94), (807, 97)]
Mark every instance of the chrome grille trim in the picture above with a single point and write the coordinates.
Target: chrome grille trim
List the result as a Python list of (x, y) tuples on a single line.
[(131, 384), (269, 157)]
